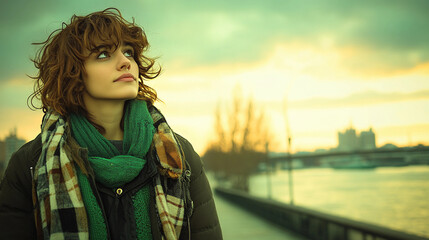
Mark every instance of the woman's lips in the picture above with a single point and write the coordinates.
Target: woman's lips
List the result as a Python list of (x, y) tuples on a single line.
[(125, 78)]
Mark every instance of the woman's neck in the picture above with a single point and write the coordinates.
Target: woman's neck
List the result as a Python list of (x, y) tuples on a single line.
[(107, 114)]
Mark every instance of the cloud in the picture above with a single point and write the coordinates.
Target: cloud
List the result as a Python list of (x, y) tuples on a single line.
[(360, 99), (387, 35), (14, 93)]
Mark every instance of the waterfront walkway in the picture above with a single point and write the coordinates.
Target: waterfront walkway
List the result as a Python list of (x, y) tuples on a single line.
[(238, 224)]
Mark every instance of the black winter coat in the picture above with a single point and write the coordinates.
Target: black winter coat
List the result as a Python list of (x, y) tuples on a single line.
[(16, 205)]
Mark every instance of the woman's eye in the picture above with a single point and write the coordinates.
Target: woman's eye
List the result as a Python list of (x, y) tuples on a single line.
[(103, 55), (129, 53)]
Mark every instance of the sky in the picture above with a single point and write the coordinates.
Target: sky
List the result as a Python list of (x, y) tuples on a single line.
[(332, 64)]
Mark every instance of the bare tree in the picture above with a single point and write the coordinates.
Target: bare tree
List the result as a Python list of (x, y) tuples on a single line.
[(241, 136)]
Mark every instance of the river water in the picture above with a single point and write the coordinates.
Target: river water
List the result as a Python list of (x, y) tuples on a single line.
[(394, 197)]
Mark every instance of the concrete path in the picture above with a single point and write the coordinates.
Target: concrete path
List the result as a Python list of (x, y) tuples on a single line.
[(238, 224)]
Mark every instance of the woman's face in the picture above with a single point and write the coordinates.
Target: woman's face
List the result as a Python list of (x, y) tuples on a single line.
[(111, 74)]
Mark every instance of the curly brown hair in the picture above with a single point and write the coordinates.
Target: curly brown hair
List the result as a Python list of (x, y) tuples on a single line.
[(59, 83)]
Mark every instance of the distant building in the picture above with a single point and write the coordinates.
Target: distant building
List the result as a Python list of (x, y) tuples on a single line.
[(10, 145), (349, 140), (367, 140)]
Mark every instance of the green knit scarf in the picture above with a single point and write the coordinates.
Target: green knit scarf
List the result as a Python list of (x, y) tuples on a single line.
[(113, 169)]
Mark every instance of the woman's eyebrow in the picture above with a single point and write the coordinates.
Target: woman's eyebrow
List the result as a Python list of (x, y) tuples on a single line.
[(127, 45), (101, 47)]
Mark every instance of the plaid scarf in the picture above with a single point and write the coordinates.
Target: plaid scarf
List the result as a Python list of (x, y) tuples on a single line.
[(59, 209)]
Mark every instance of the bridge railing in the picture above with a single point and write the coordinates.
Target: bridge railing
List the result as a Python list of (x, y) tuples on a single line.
[(310, 223)]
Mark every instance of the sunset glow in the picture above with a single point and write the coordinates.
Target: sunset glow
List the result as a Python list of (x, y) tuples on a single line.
[(348, 69)]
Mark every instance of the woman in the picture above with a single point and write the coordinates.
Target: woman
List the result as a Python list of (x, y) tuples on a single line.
[(106, 164)]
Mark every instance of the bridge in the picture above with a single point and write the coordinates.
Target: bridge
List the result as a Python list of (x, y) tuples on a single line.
[(375, 157)]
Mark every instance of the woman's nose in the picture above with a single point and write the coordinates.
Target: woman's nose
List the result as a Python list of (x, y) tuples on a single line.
[(123, 62)]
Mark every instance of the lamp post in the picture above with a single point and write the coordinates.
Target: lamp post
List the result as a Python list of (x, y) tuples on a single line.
[(268, 169), (290, 171), (289, 142)]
